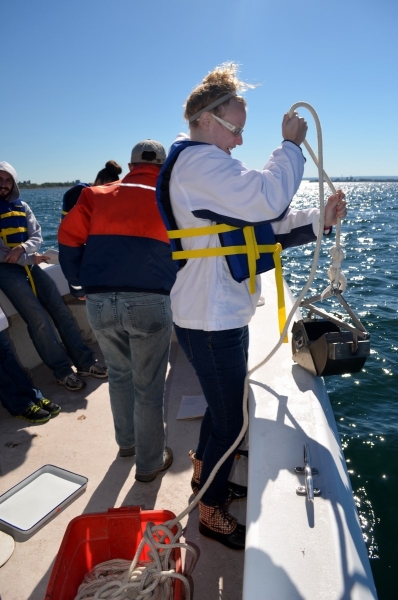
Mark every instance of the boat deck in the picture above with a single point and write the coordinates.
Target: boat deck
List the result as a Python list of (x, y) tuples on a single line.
[(81, 439), (296, 548)]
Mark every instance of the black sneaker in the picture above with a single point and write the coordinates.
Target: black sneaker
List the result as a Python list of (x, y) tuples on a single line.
[(72, 382), (49, 406), (35, 414)]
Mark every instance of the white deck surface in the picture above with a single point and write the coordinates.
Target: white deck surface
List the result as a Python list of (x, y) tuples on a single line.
[(81, 439)]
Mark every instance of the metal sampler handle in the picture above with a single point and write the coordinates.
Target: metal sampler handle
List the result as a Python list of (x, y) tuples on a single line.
[(309, 490)]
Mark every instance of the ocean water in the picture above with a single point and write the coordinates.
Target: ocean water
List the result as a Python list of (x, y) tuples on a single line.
[(365, 404)]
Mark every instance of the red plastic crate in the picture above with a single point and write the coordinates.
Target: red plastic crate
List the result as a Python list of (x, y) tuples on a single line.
[(94, 538)]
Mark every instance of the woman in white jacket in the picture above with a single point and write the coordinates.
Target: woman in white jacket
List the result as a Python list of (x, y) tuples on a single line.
[(211, 310)]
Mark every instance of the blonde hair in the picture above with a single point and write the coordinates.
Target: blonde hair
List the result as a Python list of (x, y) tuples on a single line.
[(220, 81)]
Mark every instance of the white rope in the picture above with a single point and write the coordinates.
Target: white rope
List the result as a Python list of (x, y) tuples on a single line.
[(144, 580), (152, 579), (337, 279)]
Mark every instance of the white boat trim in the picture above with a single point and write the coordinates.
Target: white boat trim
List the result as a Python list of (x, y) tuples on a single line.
[(296, 548)]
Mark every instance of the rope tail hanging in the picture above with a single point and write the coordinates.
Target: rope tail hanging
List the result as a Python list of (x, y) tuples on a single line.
[(135, 577)]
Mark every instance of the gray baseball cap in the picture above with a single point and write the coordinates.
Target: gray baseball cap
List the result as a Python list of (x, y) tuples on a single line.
[(148, 151)]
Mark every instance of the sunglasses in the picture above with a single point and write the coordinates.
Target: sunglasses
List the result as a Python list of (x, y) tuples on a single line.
[(234, 130)]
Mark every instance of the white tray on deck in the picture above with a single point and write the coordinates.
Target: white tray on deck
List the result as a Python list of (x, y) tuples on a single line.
[(34, 500)]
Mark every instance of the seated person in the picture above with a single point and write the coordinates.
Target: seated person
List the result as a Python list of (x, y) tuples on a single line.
[(34, 294), (109, 174), (17, 394)]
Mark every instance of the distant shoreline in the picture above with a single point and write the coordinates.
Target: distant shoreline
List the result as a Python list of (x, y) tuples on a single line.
[(381, 179), (24, 185)]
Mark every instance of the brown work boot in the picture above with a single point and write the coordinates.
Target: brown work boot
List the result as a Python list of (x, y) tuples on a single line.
[(235, 491), (197, 470), (217, 523)]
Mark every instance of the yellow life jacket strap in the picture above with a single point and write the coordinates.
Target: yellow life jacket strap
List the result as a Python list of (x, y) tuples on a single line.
[(29, 274), (10, 230), (279, 290), (252, 249), (13, 213), (253, 254), (32, 283), (198, 231)]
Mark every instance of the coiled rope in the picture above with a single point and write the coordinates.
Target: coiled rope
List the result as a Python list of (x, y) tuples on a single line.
[(145, 579), (126, 580)]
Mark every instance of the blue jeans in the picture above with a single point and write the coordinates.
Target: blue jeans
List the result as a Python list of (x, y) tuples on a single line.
[(134, 330), (14, 283), (220, 362), (16, 390)]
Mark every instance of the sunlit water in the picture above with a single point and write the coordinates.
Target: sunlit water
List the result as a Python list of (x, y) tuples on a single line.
[(365, 404)]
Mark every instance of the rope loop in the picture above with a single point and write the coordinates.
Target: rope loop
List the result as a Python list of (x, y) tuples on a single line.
[(338, 279), (151, 579)]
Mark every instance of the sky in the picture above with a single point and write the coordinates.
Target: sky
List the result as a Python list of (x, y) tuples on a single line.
[(82, 81)]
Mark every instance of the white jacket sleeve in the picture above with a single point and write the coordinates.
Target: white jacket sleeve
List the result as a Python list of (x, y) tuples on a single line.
[(218, 187), (296, 219)]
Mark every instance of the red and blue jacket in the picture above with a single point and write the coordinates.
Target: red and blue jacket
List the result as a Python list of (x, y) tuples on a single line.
[(114, 238)]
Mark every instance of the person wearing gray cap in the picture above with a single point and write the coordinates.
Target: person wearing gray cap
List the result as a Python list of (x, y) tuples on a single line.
[(34, 294), (114, 251)]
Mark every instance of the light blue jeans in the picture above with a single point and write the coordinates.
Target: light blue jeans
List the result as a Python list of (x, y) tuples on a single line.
[(134, 330)]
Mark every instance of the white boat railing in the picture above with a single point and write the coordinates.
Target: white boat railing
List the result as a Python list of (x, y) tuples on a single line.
[(297, 548)]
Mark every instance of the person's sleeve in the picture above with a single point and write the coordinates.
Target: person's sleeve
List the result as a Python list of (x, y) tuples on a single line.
[(4, 250), (35, 239), (72, 236), (223, 190), (297, 227), (24, 259)]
